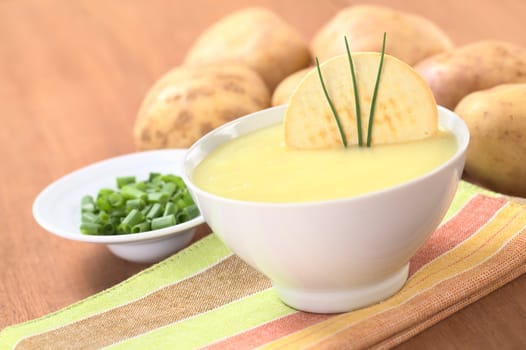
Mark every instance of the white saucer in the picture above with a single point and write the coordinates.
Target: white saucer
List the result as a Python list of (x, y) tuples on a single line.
[(57, 207)]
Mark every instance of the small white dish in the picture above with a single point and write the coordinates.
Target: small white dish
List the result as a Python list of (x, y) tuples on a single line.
[(57, 207)]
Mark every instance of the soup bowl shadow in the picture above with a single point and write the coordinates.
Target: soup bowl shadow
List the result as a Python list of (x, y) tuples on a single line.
[(334, 255)]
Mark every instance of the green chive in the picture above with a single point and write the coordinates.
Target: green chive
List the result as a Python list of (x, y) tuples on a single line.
[(155, 211), (170, 208), (163, 222), (135, 204), (129, 191), (108, 229), (140, 185), (356, 96), (125, 180), (158, 197), (375, 93), (334, 113), (169, 188), (102, 218), (102, 203), (133, 218), (153, 176), (142, 227), (115, 199), (87, 204), (191, 211), (88, 217), (146, 209), (89, 228)]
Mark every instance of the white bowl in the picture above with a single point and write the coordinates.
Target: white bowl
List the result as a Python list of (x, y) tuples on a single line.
[(57, 207), (336, 255)]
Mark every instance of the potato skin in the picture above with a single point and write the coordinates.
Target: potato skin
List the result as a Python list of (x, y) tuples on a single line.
[(496, 155), (189, 101), (478, 66), (285, 88), (256, 37), (410, 37)]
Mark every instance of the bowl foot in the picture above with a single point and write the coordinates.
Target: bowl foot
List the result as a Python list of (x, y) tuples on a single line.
[(333, 301)]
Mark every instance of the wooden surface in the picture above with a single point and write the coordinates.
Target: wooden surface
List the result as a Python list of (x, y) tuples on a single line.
[(72, 76)]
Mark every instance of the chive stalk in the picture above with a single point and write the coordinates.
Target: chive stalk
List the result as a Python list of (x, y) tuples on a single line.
[(356, 96), (375, 93), (334, 113)]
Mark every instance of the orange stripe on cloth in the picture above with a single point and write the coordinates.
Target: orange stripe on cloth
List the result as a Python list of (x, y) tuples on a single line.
[(465, 223), (472, 216), (489, 249), (269, 331)]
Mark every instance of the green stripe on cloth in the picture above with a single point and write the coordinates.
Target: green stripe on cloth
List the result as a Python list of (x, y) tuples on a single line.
[(187, 262), (206, 328)]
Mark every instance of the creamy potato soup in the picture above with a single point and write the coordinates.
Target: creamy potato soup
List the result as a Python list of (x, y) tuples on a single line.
[(259, 167)]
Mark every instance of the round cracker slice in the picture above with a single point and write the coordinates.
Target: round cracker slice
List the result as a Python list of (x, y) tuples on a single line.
[(405, 107)]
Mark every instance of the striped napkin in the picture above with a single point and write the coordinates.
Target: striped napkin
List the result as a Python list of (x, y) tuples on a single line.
[(206, 297)]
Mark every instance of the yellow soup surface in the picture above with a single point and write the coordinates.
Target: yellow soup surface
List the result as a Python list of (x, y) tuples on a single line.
[(259, 167)]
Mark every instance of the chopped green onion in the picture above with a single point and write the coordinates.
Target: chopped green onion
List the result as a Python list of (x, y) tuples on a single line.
[(142, 227), (125, 180), (153, 176), (87, 204), (103, 203), (130, 191), (163, 221), (181, 204), (159, 202), (170, 208), (158, 197), (89, 228), (182, 217), (375, 93), (135, 204), (356, 96), (146, 209), (115, 199), (191, 211), (108, 229), (141, 186), (123, 228), (155, 211), (334, 113), (169, 188), (133, 218), (89, 217)]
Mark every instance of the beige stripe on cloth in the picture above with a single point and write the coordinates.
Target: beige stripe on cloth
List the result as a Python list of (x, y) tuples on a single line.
[(165, 306)]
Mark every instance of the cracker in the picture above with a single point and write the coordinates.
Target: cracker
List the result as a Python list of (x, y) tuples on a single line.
[(405, 107)]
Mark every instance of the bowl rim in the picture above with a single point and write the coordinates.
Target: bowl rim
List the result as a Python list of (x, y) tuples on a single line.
[(460, 152), (109, 239)]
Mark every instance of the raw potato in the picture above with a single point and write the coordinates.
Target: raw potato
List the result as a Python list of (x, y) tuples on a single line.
[(189, 101), (496, 155), (405, 107), (285, 88), (410, 38), (478, 66), (256, 37)]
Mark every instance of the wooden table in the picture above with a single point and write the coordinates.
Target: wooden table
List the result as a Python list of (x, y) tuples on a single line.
[(72, 76)]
